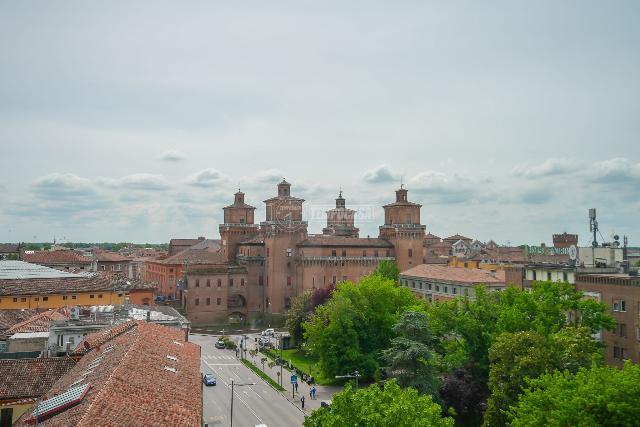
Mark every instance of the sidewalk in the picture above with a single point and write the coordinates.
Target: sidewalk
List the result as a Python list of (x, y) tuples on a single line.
[(322, 392)]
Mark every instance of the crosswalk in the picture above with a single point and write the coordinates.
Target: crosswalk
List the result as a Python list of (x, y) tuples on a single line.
[(219, 357)]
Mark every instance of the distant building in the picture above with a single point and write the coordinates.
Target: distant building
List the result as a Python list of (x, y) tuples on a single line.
[(107, 261), (621, 294), (9, 251), (435, 282), (136, 374), (32, 334), (61, 260), (565, 240), (178, 245), (31, 286)]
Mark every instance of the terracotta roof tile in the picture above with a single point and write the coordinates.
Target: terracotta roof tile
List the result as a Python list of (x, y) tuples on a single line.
[(129, 383), (8, 318), (457, 237), (108, 256), (195, 256), (455, 274), (55, 257), (24, 378), (38, 322)]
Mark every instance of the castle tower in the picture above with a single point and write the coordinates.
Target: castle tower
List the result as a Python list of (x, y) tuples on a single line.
[(238, 225), (340, 221), (282, 230), (403, 229)]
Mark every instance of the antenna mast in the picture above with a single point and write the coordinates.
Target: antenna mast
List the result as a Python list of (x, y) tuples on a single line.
[(593, 226)]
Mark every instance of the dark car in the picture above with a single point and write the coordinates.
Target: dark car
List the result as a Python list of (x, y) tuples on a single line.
[(209, 379), (220, 344)]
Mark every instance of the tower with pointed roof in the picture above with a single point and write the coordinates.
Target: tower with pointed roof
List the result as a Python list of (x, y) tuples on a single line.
[(238, 225), (340, 220), (403, 229)]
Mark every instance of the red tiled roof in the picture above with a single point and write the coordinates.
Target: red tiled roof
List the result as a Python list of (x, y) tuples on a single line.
[(337, 241), (24, 378), (8, 247), (195, 256), (108, 256), (55, 257), (66, 285), (8, 318), (129, 385), (455, 274), (457, 237), (37, 323)]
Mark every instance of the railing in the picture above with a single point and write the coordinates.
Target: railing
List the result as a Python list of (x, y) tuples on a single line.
[(237, 224), (424, 227), (345, 258)]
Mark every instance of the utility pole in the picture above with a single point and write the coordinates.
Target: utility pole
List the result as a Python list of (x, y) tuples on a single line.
[(232, 386)]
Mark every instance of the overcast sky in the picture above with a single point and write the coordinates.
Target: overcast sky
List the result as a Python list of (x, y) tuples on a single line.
[(137, 121)]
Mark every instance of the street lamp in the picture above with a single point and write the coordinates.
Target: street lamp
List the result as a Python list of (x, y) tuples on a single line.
[(355, 375), (279, 336), (232, 386)]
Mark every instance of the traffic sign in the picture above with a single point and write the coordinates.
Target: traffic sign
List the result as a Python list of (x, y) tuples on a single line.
[(294, 379)]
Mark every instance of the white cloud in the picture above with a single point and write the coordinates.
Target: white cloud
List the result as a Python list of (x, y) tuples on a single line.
[(137, 181), (57, 185), (206, 178), (550, 167), (380, 174), (172, 156), (619, 169)]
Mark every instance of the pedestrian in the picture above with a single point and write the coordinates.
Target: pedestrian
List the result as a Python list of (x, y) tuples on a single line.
[(313, 393), (296, 385), (236, 353), (302, 401)]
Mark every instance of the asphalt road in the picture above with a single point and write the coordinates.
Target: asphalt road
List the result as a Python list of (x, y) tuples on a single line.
[(252, 405)]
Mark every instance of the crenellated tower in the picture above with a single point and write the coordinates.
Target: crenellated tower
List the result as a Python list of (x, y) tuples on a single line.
[(340, 220), (403, 229), (238, 225)]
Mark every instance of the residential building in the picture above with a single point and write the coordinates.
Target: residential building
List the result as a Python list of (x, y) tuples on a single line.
[(24, 381), (31, 286), (66, 334), (107, 261), (32, 334), (136, 373), (436, 283), (61, 260), (178, 245), (621, 294), (9, 251), (565, 240)]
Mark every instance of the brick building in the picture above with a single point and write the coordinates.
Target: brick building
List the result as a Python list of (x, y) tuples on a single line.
[(621, 294), (264, 266), (111, 261), (61, 260), (437, 283)]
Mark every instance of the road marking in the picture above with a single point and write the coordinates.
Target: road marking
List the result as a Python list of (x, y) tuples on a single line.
[(222, 364), (239, 397)]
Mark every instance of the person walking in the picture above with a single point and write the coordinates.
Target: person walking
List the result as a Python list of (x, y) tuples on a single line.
[(313, 393), (302, 401), (296, 385)]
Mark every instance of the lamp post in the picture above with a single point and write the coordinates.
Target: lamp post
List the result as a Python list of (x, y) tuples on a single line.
[(279, 336), (232, 386), (355, 375)]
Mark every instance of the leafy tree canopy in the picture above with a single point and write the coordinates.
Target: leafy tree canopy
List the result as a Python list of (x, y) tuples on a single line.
[(373, 407), (388, 270), (348, 332), (598, 396)]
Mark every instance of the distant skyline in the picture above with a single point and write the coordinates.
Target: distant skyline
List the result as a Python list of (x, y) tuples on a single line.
[(506, 120)]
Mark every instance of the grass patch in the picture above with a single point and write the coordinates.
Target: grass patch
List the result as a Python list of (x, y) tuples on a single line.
[(302, 362), (262, 375)]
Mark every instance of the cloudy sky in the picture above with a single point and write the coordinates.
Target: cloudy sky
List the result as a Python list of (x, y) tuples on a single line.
[(137, 121)]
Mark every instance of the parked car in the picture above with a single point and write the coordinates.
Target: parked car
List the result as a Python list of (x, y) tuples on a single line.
[(325, 404), (209, 379), (220, 344), (269, 332)]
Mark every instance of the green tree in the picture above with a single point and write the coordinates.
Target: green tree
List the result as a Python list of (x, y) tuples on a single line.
[(514, 357), (388, 270), (376, 407), (598, 396), (518, 357), (297, 315), (350, 330), (410, 358)]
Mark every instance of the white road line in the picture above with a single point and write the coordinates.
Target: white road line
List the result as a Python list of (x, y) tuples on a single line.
[(223, 364), (241, 399)]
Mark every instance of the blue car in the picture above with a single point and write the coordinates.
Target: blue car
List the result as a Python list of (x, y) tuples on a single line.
[(209, 379)]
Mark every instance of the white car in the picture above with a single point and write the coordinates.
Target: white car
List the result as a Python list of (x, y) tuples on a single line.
[(269, 332)]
